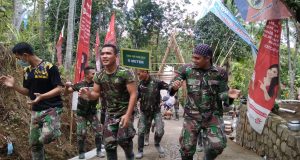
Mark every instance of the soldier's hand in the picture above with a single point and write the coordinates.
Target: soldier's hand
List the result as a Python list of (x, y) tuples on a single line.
[(84, 92), (124, 122), (177, 84), (7, 81), (36, 100), (68, 84)]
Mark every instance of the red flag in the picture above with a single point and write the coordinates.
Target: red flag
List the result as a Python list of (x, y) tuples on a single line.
[(58, 47), (263, 87), (98, 63), (110, 37), (83, 40)]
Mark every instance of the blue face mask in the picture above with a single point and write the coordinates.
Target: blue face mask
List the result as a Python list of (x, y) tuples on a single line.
[(23, 63)]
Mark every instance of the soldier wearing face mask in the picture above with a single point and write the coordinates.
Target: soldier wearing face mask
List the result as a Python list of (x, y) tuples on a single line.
[(42, 83)]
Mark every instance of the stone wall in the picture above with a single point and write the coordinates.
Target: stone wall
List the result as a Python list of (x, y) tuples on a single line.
[(275, 142)]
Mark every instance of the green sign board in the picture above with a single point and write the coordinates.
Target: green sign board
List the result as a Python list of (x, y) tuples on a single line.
[(136, 58)]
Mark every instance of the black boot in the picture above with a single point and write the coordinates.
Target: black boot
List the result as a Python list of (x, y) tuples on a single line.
[(38, 152), (186, 157), (112, 154)]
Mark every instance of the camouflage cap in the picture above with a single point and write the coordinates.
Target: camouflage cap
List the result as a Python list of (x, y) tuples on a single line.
[(203, 50)]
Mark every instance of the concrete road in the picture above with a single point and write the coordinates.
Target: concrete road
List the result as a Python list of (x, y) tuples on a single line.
[(171, 145)]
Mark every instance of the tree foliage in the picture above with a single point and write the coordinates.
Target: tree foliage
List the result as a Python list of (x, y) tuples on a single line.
[(143, 21)]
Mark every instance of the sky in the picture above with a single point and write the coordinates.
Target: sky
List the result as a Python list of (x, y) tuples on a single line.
[(190, 7)]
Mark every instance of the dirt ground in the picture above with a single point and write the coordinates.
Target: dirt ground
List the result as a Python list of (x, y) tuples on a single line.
[(171, 145)]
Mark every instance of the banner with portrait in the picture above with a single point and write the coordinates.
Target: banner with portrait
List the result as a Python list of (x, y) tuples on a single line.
[(263, 86), (83, 44)]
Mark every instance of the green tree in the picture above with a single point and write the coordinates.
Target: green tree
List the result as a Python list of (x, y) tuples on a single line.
[(144, 20)]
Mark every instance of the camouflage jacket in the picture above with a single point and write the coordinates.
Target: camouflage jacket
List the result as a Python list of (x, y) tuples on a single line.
[(149, 94), (85, 107), (113, 90), (206, 89)]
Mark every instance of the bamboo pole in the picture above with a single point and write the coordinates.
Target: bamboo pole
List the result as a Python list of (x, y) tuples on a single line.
[(71, 126), (161, 67), (222, 50), (227, 53), (291, 71), (177, 50), (216, 48)]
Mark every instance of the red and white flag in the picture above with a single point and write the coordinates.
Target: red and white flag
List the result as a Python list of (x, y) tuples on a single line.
[(97, 56), (58, 46), (110, 37), (263, 86)]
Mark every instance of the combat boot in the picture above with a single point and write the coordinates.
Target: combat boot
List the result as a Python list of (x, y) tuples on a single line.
[(81, 156), (160, 150), (199, 148), (100, 154), (38, 152), (139, 155), (146, 143)]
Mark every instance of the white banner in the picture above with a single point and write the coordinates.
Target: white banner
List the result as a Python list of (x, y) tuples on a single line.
[(257, 115), (74, 101)]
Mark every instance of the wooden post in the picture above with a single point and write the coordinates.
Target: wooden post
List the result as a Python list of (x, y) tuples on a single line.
[(161, 67), (177, 50), (71, 126)]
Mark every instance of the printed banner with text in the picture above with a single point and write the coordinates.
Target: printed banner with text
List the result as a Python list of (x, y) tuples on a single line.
[(83, 40), (263, 86), (260, 10), (226, 16)]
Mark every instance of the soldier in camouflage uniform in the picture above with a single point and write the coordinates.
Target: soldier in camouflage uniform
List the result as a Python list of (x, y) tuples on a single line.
[(43, 85), (116, 85), (86, 114), (149, 97), (206, 86)]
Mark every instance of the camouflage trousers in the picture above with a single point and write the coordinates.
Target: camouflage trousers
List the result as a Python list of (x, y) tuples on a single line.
[(44, 128), (144, 126), (82, 123), (176, 108), (214, 139), (114, 135)]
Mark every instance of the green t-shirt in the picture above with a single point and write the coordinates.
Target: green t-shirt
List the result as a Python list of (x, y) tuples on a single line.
[(113, 90)]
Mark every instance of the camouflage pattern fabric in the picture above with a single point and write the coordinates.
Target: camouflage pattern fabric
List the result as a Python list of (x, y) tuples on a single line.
[(114, 94), (44, 126), (176, 108), (85, 107), (115, 99), (149, 94), (82, 123), (144, 126), (214, 139), (113, 135), (205, 89)]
